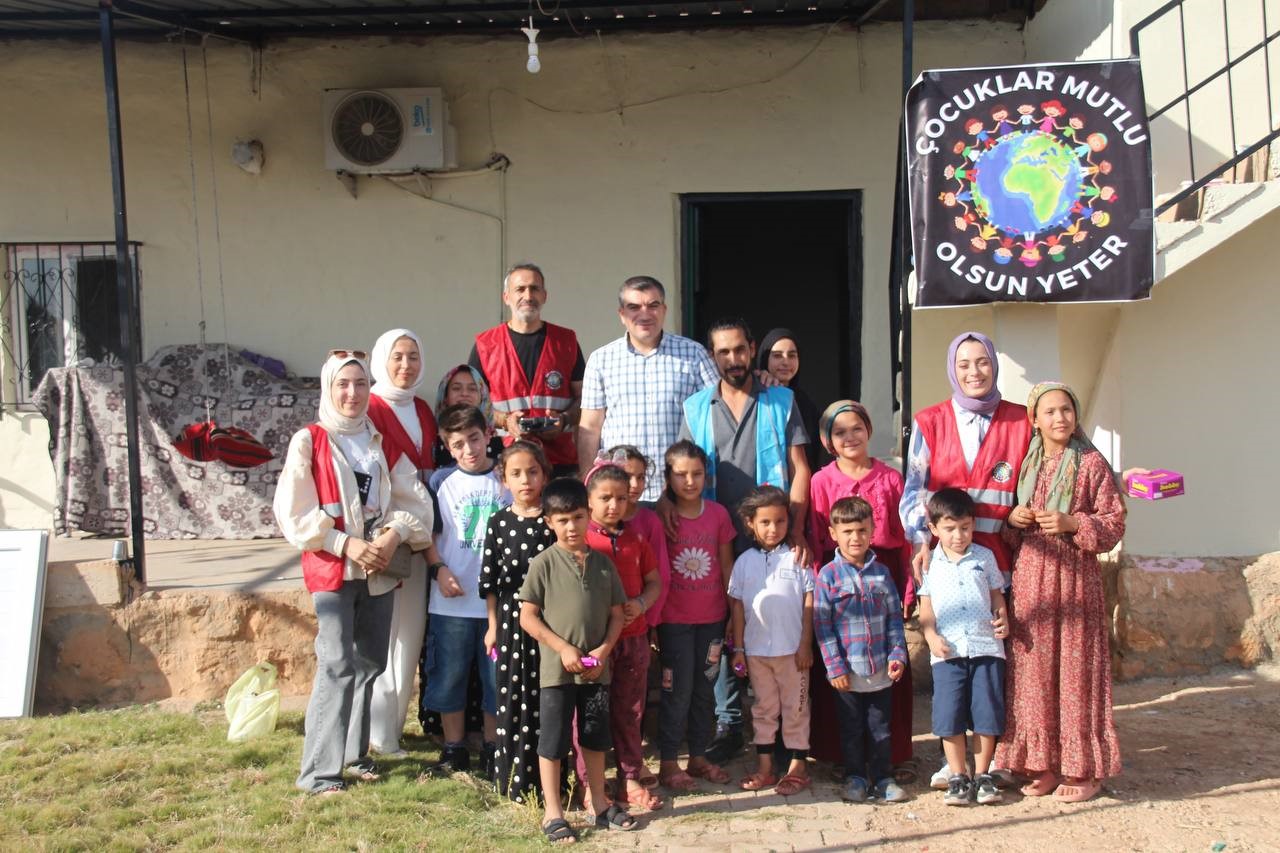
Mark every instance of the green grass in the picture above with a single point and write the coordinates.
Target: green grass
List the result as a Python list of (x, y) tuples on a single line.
[(142, 778)]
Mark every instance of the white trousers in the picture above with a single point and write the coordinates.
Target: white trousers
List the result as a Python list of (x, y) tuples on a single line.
[(393, 689)]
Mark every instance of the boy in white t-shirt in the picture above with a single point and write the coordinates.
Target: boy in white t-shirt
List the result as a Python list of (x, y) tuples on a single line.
[(771, 599), (466, 495)]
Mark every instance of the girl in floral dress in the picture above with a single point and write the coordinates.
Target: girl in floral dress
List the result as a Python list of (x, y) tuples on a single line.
[(1060, 730)]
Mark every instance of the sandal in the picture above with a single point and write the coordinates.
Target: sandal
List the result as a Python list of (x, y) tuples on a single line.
[(365, 771), (1042, 785), (332, 790), (615, 818), (792, 784), (905, 774), (713, 773), (1078, 792), (648, 779), (678, 781), (758, 782), (640, 798), (558, 831)]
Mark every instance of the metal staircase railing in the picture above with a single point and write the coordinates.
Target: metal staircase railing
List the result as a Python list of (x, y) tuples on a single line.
[(1199, 179)]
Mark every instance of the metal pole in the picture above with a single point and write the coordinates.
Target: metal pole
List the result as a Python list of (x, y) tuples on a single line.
[(904, 230), (126, 294)]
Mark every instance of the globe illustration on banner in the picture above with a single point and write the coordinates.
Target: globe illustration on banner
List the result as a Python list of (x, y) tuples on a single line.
[(1026, 183)]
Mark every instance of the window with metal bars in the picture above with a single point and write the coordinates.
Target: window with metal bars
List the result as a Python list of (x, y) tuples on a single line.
[(59, 306)]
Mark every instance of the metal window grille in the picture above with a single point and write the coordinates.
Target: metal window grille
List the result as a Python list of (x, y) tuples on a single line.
[(59, 306)]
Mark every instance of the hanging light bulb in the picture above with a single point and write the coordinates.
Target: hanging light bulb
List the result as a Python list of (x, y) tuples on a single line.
[(533, 65)]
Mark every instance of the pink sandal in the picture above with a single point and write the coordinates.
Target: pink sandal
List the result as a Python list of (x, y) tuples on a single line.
[(713, 773), (1078, 792)]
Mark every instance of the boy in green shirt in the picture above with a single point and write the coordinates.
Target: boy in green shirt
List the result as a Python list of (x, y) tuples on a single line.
[(571, 603)]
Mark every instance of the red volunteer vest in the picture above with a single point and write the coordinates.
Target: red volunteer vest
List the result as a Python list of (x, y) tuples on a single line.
[(993, 481), (322, 571), (396, 441), (548, 394)]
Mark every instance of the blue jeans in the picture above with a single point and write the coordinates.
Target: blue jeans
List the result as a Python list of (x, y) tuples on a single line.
[(864, 733), (728, 692), (454, 645)]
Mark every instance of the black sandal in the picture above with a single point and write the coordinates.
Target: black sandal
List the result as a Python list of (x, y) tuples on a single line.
[(615, 818), (558, 831)]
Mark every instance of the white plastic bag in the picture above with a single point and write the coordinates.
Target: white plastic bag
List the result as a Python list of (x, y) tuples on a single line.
[(252, 704)]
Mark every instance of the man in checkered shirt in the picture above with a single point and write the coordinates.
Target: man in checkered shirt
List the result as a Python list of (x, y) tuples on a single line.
[(634, 388)]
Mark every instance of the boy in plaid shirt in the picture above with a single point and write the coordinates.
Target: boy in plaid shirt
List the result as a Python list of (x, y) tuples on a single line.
[(857, 618)]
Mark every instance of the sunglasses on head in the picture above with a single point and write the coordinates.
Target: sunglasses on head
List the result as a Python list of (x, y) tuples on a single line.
[(348, 353)]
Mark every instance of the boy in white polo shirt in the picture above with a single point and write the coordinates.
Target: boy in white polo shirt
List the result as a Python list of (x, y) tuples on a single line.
[(962, 614), (771, 598)]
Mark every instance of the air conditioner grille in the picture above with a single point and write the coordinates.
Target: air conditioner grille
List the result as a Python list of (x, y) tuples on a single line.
[(368, 128)]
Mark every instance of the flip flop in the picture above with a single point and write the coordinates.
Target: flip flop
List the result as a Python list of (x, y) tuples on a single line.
[(615, 818), (558, 831), (758, 782), (678, 781), (641, 798), (792, 784), (1041, 786), (1078, 792), (711, 772)]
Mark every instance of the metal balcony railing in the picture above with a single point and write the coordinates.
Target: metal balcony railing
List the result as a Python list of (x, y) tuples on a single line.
[(1182, 103)]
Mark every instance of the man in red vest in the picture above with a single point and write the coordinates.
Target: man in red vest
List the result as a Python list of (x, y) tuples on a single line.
[(534, 371)]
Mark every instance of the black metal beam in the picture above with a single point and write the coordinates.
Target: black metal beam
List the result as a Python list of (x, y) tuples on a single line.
[(126, 294)]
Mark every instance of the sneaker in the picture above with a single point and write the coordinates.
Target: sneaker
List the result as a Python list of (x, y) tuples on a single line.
[(725, 747), (890, 791), (453, 759), (940, 780), (959, 791), (855, 790), (987, 792)]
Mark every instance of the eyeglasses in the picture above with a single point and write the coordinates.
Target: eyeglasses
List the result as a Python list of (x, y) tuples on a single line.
[(348, 353)]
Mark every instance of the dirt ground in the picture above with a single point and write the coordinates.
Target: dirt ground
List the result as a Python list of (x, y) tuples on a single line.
[(1201, 773)]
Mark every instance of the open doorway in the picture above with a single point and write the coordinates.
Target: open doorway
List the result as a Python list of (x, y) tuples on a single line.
[(781, 259)]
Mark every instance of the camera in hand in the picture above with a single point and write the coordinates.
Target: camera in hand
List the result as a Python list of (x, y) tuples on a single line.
[(539, 423)]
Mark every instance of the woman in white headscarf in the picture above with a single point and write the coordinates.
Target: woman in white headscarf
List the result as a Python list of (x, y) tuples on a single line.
[(408, 430), (347, 510)]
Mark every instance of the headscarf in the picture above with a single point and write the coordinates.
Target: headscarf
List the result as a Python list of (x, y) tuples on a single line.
[(986, 404), (827, 422), (485, 407), (1063, 487), (330, 418), (382, 384), (766, 344)]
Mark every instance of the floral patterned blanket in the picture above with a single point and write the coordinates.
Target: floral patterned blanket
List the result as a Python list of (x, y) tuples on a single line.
[(182, 499)]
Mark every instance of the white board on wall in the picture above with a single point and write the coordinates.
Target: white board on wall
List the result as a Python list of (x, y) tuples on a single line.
[(22, 573)]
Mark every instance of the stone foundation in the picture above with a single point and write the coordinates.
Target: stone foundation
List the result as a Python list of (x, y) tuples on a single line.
[(106, 642)]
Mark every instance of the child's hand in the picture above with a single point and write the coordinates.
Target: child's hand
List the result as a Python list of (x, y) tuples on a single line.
[(895, 670), (667, 514), (490, 640), (448, 583), (841, 683), (1001, 624), (600, 653), (920, 562), (804, 657), (1022, 517), (739, 663), (939, 647), (366, 555), (571, 660), (800, 548), (632, 610), (1057, 522), (907, 609), (653, 640)]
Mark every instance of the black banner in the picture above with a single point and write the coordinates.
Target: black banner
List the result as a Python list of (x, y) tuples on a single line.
[(1030, 183)]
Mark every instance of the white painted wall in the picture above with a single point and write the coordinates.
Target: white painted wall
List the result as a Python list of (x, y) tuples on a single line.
[(602, 143)]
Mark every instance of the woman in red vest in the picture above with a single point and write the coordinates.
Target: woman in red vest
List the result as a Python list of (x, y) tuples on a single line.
[(408, 429), (347, 509), (974, 441)]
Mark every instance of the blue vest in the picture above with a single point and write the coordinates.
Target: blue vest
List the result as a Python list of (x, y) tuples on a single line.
[(773, 408)]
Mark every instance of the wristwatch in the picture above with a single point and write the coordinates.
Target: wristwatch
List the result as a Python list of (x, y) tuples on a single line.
[(434, 569)]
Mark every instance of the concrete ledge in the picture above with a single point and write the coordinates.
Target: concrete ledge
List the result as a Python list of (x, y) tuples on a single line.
[(86, 583)]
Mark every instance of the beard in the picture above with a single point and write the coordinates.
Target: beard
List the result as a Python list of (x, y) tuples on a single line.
[(738, 377)]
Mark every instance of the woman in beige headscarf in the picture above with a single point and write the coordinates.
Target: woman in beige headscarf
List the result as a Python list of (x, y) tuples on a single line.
[(340, 503)]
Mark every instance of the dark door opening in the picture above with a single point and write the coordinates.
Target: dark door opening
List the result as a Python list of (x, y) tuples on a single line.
[(781, 259)]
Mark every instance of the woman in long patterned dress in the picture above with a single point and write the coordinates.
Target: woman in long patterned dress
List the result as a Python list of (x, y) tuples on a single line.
[(1060, 730), (515, 536)]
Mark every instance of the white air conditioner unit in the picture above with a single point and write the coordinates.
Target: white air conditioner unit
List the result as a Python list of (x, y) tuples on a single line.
[(379, 131)]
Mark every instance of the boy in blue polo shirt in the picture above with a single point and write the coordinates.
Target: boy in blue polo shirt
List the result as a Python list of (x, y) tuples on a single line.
[(962, 614)]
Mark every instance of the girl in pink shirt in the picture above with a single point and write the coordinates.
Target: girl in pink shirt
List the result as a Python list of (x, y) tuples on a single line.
[(845, 430), (691, 634)]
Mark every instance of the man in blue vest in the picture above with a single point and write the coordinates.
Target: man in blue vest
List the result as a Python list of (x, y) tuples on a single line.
[(753, 435)]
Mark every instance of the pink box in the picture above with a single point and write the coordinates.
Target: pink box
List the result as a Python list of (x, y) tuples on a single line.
[(1157, 485)]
